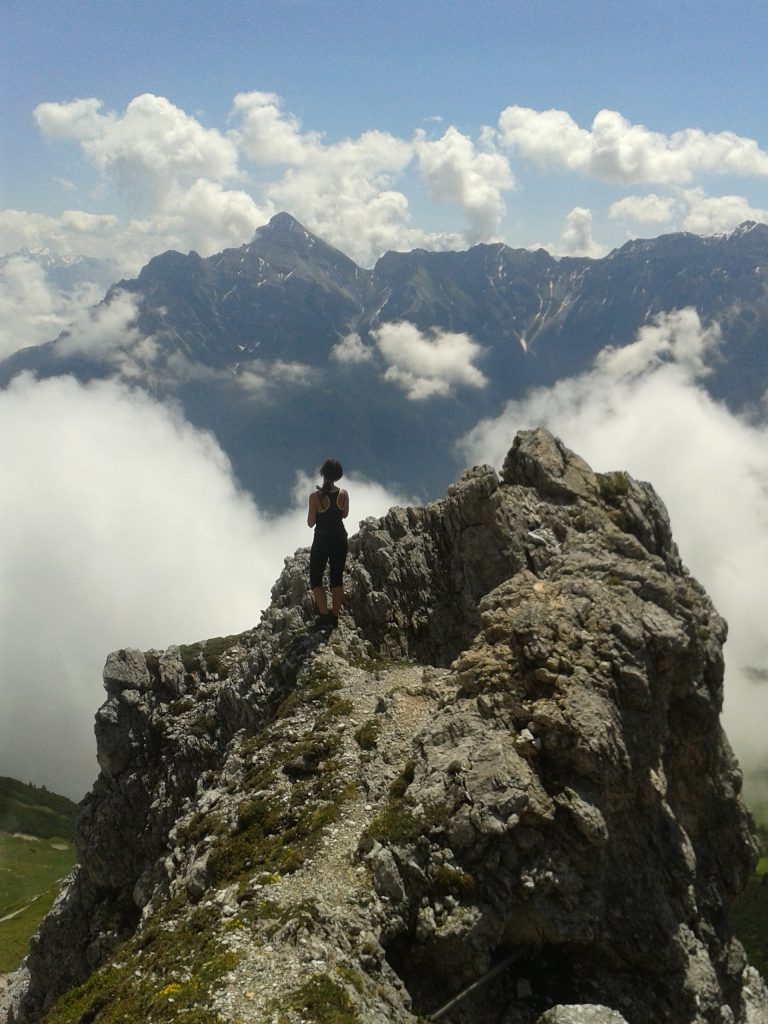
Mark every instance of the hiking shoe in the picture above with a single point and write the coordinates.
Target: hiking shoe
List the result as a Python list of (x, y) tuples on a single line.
[(324, 622)]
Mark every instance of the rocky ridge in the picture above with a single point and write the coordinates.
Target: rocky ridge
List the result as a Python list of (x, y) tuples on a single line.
[(506, 765)]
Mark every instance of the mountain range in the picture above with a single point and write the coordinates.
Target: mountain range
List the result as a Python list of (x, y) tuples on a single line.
[(288, 351)]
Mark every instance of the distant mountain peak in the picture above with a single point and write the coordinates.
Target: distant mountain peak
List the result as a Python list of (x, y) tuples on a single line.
[(286, 238), (747, 227), (283, 226), (285, 222)]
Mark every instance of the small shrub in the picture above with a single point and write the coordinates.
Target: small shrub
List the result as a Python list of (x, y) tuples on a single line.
[(322, 1001), (400, 823), (404, 779), (203, 726), (613, 485), (452, 881), (367, 735), (372, 662), (315, 687)]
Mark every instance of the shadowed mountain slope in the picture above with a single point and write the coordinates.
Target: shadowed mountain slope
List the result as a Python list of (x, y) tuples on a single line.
[(248, 341)]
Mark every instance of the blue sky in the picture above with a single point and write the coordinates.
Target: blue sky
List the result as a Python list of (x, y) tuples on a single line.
[(411, 71)]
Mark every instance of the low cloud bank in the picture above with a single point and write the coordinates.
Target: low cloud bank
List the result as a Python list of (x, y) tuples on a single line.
[(423, 364), (122, 526), (643, 409), (33, 309)]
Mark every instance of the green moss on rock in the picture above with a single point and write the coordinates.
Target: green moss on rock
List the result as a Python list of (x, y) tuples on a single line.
[(210, 651), (367, 735), (613, 485), (321, 1000), (168, 972), (296, 786)]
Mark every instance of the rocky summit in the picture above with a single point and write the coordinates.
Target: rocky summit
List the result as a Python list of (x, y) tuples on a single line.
[(498, 792)]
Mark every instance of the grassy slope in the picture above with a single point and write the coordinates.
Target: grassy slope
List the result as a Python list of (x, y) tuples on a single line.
[(31, 872), (749, 915), (35, 811), (32, 864)]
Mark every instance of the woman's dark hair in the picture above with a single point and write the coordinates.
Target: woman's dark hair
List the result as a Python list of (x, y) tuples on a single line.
[(331, 471)]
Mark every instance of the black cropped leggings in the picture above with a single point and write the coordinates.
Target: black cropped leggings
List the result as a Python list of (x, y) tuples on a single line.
[(327, 547)]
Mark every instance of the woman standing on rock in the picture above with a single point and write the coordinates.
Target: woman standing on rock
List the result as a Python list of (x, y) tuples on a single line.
[(328, 508)]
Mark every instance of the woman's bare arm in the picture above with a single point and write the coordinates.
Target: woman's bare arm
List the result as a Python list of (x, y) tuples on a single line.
[(312, 510)]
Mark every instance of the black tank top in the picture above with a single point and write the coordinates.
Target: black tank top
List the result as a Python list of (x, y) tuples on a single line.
[(329, 518)]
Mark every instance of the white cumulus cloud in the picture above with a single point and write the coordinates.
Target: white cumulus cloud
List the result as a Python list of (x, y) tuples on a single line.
[(677, 338), (454, 171), (259, 375), (79, 119), (346, 194), (184, 188), (343, 191), (709, 215), (183, 185), (110, 332), (205, 217), (351, 349), (613, 149), (147, 149), (174, 174), (577, 238), (647, 413), (268, 134), (648, 209), (431, 363), (72, 233)]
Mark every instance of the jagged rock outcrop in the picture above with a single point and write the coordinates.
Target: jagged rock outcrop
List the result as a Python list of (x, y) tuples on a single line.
[(506, 765)]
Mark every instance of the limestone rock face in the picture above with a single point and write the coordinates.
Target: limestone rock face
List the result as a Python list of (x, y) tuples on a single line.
[(506, 766)]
